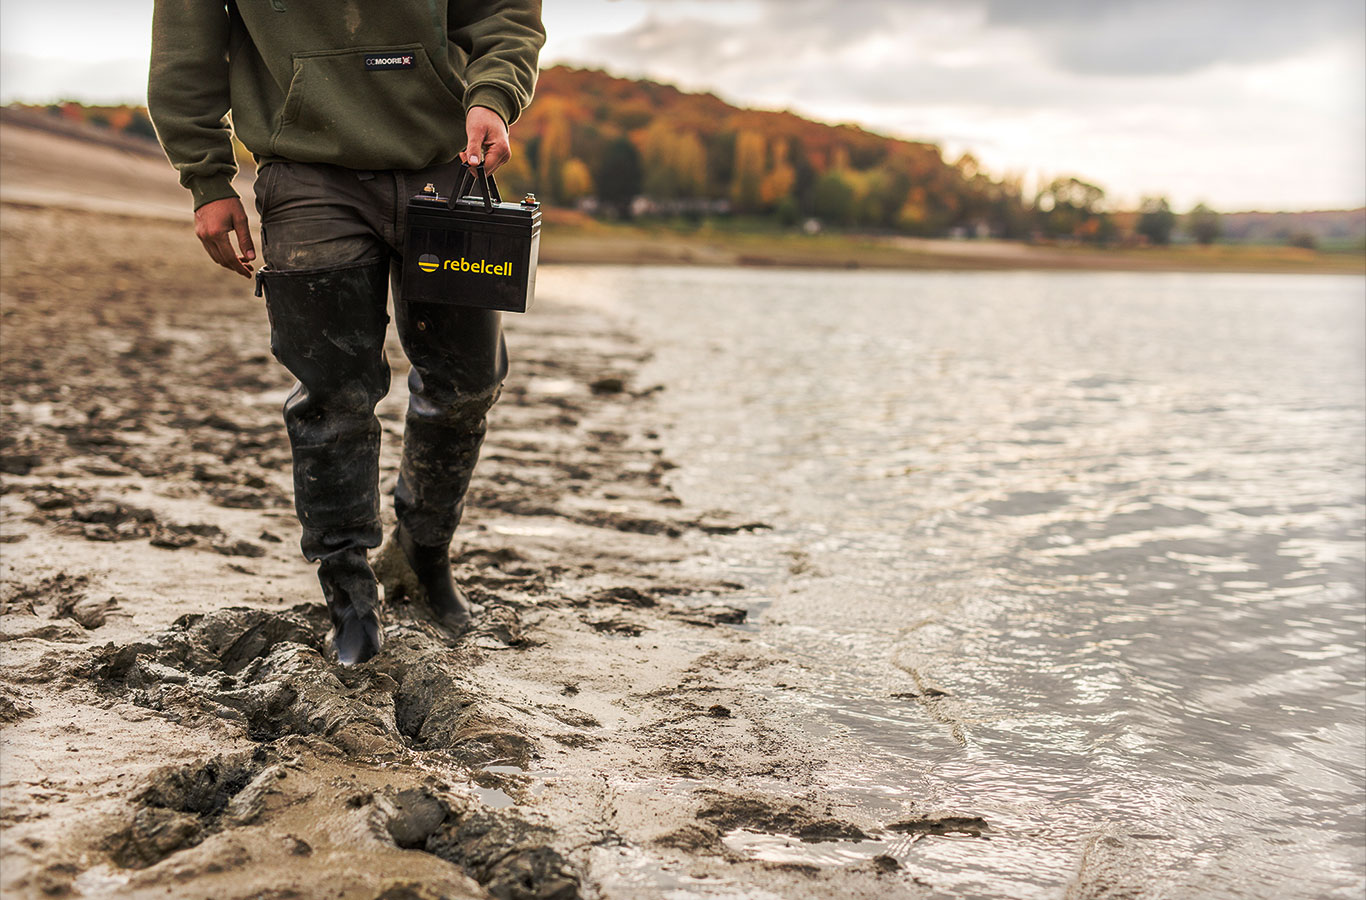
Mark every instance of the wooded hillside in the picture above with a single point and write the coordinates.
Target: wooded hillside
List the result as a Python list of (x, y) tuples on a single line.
[(627, 148), (591, 136)]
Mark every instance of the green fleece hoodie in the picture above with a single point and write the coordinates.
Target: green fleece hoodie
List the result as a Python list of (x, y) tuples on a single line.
[(367, 84)]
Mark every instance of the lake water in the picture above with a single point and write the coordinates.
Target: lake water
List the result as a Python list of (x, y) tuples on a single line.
[(1081, 554)]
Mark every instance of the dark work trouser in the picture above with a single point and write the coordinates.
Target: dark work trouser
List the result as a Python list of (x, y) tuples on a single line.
[(332, 239)]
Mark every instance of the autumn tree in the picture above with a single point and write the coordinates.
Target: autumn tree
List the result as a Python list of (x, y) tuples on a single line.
[(675, 163), (748, 176), (914, 213), (575, 180), (770, 163), (553, 153), (781, 177)]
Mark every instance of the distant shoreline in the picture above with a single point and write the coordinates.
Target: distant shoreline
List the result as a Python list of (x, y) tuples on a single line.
[(585, 241), (80, 169)]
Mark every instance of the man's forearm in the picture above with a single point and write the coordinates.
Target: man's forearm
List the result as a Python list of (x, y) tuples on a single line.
[(188, 96), (503, 39)]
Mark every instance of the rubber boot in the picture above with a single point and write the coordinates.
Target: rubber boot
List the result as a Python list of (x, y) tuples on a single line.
[(407, 568), (352, 598), (327, 326), (459, 361)]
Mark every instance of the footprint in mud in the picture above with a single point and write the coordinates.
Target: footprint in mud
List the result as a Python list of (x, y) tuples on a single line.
[(509, 856), (181, 806), (266, 671), (288, 784)]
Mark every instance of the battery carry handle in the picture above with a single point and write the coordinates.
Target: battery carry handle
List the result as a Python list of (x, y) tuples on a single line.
[(484, 181)]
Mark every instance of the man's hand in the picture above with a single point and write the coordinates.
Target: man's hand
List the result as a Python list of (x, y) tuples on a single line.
[(486, 139), (213, 222)]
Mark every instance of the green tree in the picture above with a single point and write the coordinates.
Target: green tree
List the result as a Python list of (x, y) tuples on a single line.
[(720, 163), (834, 197), (618, 175), (804, 176), (881, 195), (1204, 224), (1156, 221), (1070, 207)]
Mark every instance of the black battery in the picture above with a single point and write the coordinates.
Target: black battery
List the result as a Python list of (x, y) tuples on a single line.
[(471, 249)]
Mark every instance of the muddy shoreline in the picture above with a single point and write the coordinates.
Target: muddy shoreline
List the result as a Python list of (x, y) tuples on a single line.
[(172, 723)]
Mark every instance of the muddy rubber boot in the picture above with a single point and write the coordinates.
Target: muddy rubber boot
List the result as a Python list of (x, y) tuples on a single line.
[(327, 326), (459, 361), (352, 597), (406, 568)]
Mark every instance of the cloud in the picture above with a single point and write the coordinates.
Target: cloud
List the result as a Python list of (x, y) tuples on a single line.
[(1117, 37), (1128, 37)]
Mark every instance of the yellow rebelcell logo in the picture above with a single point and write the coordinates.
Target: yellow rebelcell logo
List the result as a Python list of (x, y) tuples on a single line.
[(428, 262)]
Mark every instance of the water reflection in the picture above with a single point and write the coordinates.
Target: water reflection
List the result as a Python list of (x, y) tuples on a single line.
[(1097, 544)]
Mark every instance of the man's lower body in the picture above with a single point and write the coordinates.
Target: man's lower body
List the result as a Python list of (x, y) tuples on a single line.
[(332, 242)]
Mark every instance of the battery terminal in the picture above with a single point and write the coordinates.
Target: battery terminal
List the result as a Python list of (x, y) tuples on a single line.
[(529, 200)]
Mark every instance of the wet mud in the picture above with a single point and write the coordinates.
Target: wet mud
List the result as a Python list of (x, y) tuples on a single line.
[(173, 722)]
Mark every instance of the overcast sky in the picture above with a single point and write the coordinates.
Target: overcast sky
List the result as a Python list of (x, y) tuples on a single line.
[(1239, 103)]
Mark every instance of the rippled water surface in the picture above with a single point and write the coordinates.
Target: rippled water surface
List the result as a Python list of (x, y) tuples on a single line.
[(1081, 554)]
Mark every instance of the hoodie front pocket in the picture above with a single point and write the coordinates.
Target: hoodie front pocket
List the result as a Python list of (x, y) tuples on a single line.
[(372, 108)]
